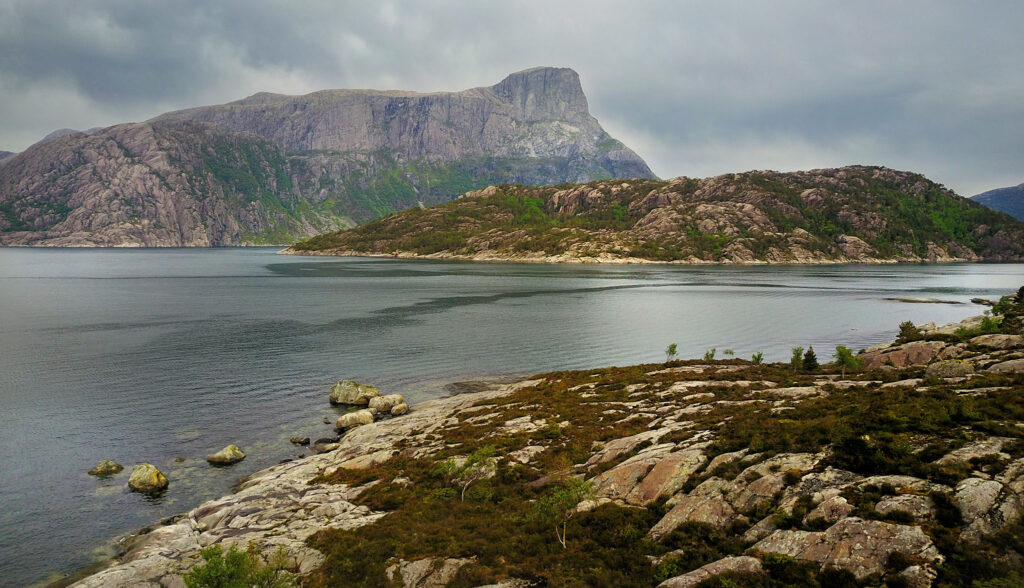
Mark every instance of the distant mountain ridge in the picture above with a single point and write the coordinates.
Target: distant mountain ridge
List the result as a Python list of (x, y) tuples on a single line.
[(1008, 200), (273, 168), (852, 214)]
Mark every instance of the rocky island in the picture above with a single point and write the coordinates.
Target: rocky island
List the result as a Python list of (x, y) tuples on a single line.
[(853, 214), (902, 465)]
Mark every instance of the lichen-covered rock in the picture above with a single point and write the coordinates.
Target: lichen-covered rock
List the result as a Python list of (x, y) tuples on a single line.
[(987, 506), (400, 409), (1013, 366), (384, 404), (354, 419), (704, 504), (919, 507), (830, 510), (429, 572), (668, 475), (106, 468), (147, 478), (949, 368), (351, 392), (998, 341), (985, 449), (227, 456), (860, 547), (737, 564)]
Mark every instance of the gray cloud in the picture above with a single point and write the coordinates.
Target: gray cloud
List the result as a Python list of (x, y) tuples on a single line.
[(697, 88)]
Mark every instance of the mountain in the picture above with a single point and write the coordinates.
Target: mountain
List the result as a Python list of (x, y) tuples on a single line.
[(1008, 200), (849, 214), (5, 156), (273, 168)]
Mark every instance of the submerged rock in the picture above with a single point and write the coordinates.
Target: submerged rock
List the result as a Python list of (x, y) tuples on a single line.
[(147, 478), (299, 440), (227, 456), (351, 392), (106, 468)]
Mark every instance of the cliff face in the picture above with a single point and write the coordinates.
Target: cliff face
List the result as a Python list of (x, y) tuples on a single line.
[(272, 168), (1008, 200), (851, 214)]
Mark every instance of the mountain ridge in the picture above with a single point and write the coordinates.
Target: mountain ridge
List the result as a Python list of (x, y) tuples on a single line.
[(1009, 200), (284, 167), (854, 214)]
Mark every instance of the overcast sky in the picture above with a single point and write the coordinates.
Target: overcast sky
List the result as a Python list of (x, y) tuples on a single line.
[(696, 88)]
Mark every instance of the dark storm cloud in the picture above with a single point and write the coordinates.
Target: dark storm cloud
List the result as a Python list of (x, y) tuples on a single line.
[(697, 88)]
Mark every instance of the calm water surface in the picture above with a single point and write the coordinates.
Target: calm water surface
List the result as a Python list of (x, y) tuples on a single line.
[(164, 356)]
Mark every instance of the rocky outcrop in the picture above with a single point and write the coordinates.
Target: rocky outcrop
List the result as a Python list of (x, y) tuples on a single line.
[(272, 168), (855, 545), (147, 478), (106, 468), (354, 419), (425, 573), (747, 218), (227, 456)]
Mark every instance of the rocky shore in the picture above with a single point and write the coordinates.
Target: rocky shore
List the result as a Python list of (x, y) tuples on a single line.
[(907, 470)]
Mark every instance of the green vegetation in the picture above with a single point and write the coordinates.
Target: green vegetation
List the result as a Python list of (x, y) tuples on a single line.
[(671, 352), (239, 569), (845, 359), (757, 358), (709, 355), (558, 506), (897, 214), (810, 360)]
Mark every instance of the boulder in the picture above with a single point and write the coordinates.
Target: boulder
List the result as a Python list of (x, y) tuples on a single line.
[(299, 440), (350, 392), (985, 449), (919, 507), (106, 468), (949, 368), (354, 419), (986, 506), (400, 409), (227, 456), (1014, 366), (858, 546), (998, 341), (908, 354), (384, 404), (147, 478), (830, 510), (737, 564)]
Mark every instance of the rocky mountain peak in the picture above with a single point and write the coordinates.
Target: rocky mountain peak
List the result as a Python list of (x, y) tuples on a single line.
[(544, 93)]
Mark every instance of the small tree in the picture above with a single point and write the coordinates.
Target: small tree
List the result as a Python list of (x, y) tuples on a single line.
[(729, 352), (757, 358), (559, 505), (709, 355), (909, 332), (846, 359), (810, 360), (797, 360), (670, 353), (463, 473)]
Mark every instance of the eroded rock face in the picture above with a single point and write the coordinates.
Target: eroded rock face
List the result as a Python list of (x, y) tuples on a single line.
[(147, 478), (998, 341), (269, 168), (861, 547), (1013, 366)]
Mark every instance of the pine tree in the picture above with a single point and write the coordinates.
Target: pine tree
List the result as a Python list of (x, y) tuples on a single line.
[(810, 360)]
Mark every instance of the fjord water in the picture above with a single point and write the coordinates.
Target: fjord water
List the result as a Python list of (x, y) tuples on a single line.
[(165, 356)]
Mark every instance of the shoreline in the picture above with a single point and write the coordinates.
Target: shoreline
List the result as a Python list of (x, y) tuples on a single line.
[(617, 260)]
